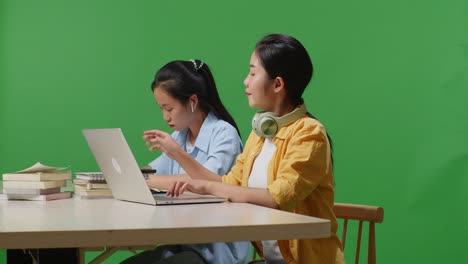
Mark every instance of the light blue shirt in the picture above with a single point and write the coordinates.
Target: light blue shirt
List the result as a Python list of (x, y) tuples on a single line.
[(217, 146)]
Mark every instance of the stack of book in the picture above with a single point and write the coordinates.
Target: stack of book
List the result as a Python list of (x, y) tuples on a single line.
[(38, 182), (91, 185)]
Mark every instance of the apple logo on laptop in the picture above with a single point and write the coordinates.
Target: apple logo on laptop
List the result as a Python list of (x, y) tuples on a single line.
[(116, 166)]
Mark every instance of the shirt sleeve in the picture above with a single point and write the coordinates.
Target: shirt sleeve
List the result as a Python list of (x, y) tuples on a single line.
[(224, 148), (235, 175), (302, 168)]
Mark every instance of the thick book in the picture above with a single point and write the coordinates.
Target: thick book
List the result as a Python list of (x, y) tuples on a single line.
[(95, 176), (33, 184), (36, 197), (84, 182), (91, 186), (95, 192), (39, 172), (83, 197), (37, 176), (31, 191)]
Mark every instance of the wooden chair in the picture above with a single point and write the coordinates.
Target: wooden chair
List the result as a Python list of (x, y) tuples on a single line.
[(361, 213)]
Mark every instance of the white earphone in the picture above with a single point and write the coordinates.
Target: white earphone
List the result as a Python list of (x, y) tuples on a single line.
[(267, 124), (191, 106)]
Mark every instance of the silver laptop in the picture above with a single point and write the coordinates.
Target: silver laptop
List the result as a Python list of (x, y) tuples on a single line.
[(123, 175)]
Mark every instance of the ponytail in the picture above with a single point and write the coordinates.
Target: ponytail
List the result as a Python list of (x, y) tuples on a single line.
[(213, 100)]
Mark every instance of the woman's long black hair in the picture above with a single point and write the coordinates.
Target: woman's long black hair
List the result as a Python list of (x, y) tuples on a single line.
[(182, 79), (284, 56)]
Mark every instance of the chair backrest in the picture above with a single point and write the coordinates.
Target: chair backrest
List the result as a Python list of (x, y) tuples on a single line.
[(361, 213)]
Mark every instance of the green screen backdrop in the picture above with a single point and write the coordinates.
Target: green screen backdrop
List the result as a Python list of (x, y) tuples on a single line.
[(390, 85)]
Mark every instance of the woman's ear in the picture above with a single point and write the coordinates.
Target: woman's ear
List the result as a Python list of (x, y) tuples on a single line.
[(278, 83), (193, 102)]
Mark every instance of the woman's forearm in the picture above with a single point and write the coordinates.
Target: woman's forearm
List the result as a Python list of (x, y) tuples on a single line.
[(194, 169), (240, 194), (164, 182)]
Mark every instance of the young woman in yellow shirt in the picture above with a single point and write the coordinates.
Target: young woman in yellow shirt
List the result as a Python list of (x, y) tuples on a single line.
[(287, 160)]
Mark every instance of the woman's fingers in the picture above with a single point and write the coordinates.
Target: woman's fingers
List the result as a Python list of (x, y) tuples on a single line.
[(177, 189), (183, 188), (170, 190), (173, 190), (155, 146), (154, 142), (149, 134)]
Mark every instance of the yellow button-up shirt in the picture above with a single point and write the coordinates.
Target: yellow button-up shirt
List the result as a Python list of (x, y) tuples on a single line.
[(300, 179)]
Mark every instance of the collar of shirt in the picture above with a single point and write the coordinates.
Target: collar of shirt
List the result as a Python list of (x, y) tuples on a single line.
[(283, 132), (203, 139)]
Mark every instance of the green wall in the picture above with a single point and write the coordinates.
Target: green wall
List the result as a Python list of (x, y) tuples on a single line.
[(390, 85)]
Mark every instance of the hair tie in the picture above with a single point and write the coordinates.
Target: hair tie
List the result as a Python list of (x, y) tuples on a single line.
[(195, 64)]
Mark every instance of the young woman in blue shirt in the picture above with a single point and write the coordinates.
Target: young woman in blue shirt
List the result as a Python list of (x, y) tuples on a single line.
[(187, 95)]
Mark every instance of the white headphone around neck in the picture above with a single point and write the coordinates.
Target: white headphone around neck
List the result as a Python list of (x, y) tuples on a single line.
[(267, 124)]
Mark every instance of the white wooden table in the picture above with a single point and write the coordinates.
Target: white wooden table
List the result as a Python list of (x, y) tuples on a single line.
[(73, 223)]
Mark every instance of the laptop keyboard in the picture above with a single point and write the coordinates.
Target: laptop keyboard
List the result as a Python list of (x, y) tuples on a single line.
[(163, 197)]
